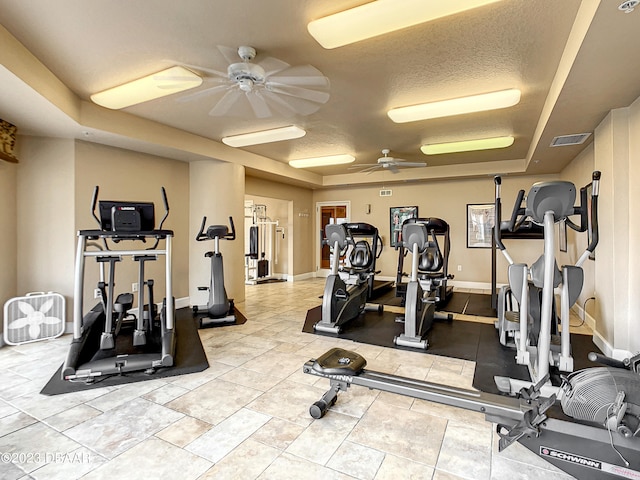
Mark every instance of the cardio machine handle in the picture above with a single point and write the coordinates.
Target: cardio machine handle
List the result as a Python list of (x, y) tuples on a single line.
[(94, 201), (232, 234), (202, 236), (604, 360)]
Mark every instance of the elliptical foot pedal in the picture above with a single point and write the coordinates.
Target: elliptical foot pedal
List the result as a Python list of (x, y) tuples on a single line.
[(338, 361)]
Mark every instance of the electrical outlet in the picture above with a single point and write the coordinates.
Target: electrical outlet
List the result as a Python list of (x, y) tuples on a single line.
[(134, 287), (459, 268), (96, 293)]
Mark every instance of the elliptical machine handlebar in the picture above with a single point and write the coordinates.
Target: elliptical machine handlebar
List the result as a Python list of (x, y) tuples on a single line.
[(221, 232)]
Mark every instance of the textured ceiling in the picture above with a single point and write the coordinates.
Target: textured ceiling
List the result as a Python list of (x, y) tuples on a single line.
[(571, 60)]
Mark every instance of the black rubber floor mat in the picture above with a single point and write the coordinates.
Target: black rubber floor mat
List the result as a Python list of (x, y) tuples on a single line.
[(480, 305), (189, 358)]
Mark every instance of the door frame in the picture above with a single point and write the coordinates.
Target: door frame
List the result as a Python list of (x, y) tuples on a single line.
[(324, 272)]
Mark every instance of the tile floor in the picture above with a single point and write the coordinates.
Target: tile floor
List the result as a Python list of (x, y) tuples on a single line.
[(246, 416)]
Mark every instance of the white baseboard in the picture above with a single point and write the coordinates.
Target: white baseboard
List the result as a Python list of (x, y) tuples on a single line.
[(471, 285), (300, 276)]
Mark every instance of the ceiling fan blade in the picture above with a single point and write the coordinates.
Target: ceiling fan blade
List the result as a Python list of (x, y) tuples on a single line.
[(226, 102), (204, 93), (302, 75), (411, 164), (288, 105), (305, 93), (230, 54), (272, 65), (354, 167), (392, 167), (258, 104), (210, 71)]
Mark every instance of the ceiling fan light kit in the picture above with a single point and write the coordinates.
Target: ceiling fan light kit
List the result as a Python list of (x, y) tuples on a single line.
[(467, 145), (456, 106), (264, 136), (322, 161), (166, 82), (383, 16)]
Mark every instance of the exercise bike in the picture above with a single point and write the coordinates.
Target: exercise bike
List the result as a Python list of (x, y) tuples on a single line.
[(532, 328), (420, 305), (342, 301), (219, 308), (433, 267)]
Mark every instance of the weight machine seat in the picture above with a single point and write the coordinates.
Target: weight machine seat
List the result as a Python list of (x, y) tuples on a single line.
[(338, 361)]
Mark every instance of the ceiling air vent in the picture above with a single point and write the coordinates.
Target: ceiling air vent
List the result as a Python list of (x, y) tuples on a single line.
[(566, 140), (385, 193)]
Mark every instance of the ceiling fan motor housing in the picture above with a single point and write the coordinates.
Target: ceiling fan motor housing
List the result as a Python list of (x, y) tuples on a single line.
[(246, 75)]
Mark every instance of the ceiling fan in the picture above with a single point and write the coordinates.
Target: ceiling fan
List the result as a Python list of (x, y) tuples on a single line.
[(262, 89), (388, 163)]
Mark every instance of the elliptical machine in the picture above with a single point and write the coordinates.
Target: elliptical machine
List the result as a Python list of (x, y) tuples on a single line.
[(533, 327), (343, 301), (219, 308), (420, 304)]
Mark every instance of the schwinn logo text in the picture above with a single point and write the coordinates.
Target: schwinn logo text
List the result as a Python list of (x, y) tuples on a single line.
[(571, 458)]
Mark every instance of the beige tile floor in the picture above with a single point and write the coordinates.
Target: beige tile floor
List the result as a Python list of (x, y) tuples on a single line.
[(246, 416)]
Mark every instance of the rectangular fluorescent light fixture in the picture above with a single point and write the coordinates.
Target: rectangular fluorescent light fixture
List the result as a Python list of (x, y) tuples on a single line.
[(322, 161), (160, 84), (467, 145), (456, 106), (264, 136), (383, 16)]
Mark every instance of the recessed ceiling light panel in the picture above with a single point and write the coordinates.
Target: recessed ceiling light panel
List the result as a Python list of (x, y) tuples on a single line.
[(467, 145), (456, 106), (264, 136), (160, 84), (383, 16)]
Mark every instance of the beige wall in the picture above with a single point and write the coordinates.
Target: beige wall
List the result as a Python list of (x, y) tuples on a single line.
[(300, 219), (45, 217), (130, 176), (217, 192), (8, 238), (443, 199)]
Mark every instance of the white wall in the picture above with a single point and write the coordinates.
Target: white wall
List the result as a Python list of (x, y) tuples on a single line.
[(617, 281)]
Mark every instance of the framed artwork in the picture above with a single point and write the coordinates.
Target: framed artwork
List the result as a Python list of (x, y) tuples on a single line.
[(480, 221), (397, 216)]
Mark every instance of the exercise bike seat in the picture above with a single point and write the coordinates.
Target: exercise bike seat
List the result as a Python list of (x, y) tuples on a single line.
[(338, 361), (361, 257), (430, 260)]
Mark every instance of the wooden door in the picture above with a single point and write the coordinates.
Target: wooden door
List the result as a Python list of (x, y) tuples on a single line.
[(330, 214)]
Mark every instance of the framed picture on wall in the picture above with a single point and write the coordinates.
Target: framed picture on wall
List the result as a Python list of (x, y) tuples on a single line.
[(480, 221), (397, 216)]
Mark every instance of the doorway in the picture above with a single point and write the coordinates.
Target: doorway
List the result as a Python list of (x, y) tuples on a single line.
[(328, 213)]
